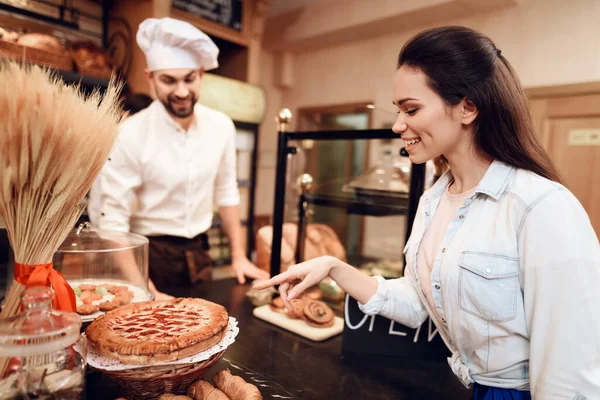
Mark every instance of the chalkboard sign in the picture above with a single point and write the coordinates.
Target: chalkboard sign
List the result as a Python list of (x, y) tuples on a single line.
[(225, 12), (377, 335)]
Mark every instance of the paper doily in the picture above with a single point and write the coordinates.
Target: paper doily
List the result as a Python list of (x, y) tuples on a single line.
[(98, 361)]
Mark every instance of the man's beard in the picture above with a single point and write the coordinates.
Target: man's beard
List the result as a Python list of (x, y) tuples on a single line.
[(179, 112)]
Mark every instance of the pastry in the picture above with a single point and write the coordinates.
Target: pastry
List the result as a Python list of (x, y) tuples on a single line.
[(87, 287), (87, 309), (314, 312), (158, 331), (324, 325), (203, 390), (312, 293), (318, 312), (109, 305), (235, 387), (277, 305), (101, 297), (320, 240), (297, 311)]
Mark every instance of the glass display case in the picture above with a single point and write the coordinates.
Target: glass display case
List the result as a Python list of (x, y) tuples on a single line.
[(385, 196), (104, 266), (390, 188)]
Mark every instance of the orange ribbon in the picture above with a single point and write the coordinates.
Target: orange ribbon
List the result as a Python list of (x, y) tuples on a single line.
[(45, 275)]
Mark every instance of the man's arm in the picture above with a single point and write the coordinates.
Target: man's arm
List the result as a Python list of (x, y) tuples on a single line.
[(240, 263), (227, 199)]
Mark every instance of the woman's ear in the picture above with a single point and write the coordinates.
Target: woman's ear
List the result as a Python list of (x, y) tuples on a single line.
[(469, 112)]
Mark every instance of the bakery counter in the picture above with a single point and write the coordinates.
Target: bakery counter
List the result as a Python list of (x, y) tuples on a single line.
[(286, 366)]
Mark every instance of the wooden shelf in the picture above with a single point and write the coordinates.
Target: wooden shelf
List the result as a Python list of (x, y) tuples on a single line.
[(212, 28)]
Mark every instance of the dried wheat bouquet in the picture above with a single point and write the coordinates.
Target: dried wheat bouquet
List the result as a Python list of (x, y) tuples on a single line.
[(53, 144)]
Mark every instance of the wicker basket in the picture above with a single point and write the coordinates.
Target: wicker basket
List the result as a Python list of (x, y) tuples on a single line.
[(151, 382), (32, 55)]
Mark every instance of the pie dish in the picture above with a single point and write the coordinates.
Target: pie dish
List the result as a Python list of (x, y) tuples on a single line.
[(158, 331)]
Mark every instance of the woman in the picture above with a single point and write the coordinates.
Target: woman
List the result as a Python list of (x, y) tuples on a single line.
[(502, 257)]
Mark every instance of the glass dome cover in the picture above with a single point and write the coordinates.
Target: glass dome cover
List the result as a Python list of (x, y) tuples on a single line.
[(37, 351), (87, 239), (389, 177), (95, 260)]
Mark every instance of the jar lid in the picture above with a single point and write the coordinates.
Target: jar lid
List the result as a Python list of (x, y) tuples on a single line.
[(86, 239), (38, 329)]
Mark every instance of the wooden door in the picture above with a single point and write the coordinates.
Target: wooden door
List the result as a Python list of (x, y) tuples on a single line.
[(569, 128)]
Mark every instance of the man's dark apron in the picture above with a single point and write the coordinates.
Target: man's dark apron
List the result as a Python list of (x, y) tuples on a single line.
[(177, 261)]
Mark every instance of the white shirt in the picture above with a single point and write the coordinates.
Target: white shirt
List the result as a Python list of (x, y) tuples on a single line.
[(162, 180), (515, 284)]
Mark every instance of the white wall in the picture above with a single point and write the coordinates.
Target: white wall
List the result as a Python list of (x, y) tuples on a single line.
[(549, 42)]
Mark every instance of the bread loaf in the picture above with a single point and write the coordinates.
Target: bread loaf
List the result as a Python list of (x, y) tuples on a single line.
[(89, 55), (42, 42), (320, 240)]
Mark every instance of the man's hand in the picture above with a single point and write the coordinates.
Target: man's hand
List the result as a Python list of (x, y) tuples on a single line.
[(162, 296), (244, 268), (158, 295)]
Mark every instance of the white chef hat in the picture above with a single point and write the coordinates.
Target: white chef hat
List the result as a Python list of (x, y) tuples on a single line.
[(170, 43)]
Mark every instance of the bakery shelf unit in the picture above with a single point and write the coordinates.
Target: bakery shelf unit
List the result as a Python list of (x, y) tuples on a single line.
[(75, 24), (63, 14), (332, 194)]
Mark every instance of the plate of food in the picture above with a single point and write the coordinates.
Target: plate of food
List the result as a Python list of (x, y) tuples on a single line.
[(94, 297), (312, 319)]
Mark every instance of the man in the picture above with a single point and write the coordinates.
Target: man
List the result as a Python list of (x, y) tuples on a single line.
[(174, 161)]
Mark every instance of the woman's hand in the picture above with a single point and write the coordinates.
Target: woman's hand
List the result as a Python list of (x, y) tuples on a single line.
[(299, 277)]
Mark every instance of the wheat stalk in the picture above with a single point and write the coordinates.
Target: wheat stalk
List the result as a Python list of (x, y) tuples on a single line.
[(53, 144)]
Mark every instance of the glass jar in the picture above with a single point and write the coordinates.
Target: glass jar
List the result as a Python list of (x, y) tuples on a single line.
[(37, 353)]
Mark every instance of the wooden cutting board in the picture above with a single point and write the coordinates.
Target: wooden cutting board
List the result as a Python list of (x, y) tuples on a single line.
[(298, 326)]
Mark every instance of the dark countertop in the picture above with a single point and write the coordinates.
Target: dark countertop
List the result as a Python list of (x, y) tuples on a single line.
[(296, 368)]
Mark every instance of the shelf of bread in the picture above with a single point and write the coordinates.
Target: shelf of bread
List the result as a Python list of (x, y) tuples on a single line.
[(82, 56)]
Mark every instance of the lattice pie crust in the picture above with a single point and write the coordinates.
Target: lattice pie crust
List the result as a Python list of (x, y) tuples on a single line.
[(158, 331)]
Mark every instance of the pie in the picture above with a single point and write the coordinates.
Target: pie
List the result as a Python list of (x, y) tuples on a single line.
[(158, 331)]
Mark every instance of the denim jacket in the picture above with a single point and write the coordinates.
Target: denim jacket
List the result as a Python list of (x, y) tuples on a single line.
[(516, 285)]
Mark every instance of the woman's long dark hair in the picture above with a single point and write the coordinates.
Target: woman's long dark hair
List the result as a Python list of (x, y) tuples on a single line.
[(462, 63)]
